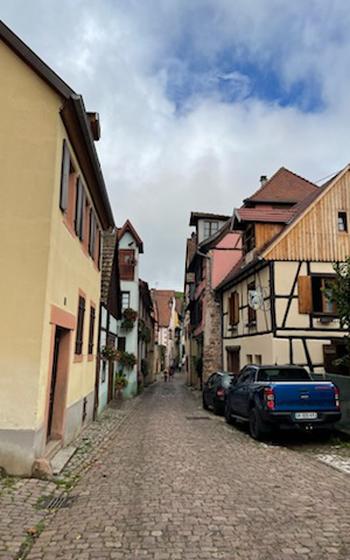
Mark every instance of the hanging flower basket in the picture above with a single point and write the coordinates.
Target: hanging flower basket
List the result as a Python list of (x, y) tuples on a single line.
[(129, 318), (109, 353), (127, 360)]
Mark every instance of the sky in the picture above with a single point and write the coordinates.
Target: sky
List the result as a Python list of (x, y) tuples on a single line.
[(197, 100)]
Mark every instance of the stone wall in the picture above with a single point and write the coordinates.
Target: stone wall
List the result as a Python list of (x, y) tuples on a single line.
[(212, 349)]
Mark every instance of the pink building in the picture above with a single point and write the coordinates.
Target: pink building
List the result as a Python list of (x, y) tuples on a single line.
[(212, 251)]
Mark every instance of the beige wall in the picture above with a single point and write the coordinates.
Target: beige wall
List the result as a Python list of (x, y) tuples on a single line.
[(42, 263), (28, 146), (275, 348), (263, 315)]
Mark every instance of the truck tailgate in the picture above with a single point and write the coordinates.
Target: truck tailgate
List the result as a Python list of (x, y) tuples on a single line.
[(301, 396)]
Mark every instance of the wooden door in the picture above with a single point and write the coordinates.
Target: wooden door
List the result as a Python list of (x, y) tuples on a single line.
[(58, 335)]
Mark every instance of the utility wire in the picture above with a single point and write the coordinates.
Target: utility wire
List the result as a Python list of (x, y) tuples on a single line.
[(327, 177)]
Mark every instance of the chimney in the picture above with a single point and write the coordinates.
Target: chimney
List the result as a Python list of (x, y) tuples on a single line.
[(263, 179), (94, 120)]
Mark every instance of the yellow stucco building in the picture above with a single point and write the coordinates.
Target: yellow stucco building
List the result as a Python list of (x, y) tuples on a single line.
[(54, 209)]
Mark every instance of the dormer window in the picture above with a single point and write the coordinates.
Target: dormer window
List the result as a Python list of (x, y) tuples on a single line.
[(210, 227), (249, 238), (342, 221)]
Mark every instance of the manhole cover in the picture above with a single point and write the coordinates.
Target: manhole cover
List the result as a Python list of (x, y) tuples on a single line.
[(58, 502), (197, 418)]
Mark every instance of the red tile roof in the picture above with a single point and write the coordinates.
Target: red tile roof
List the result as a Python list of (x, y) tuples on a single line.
[(162, 299), (262, 214), (283, 186)]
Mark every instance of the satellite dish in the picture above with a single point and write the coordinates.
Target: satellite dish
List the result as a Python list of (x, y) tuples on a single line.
[(255, 299)]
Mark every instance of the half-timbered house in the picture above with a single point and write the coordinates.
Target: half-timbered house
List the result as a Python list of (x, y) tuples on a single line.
[(276, 301)]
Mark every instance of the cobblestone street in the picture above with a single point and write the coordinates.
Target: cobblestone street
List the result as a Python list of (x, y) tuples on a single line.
[(175, 483), (172, 486)]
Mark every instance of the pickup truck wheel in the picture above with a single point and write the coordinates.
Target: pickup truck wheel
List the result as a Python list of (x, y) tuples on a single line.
[(257, 428), (204, 402), (228, 416)]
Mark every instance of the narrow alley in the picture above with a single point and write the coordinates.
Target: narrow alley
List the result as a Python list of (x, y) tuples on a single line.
[(178, 484)]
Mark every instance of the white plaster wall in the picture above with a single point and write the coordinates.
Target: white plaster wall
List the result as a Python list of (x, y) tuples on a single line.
[(131, 343)]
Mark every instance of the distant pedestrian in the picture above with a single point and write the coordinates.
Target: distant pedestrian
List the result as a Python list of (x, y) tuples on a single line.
[(165, 373), (171, 372)]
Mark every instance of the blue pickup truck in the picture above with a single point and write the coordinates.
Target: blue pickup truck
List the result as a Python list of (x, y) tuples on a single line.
[(281, 397)]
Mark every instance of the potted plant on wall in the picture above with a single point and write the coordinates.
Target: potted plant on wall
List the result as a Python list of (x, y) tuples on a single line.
[(120, 383), (129, 318)]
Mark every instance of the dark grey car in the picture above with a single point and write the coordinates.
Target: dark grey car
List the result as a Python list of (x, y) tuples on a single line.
[(215, 390)]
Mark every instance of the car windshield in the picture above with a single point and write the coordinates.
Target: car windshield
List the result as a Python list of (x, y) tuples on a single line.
[(283, 374), (226, 380)]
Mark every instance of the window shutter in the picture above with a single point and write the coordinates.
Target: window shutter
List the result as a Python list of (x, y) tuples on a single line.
[(82, 218), (305, 294), (92, 233), (231, 309), (98, 257), (80, 326), (126, 264), (77, 223), (234, 308), (80, 210), (91, 330), (65, 169)]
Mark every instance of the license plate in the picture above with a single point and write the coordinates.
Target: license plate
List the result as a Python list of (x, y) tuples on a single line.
[(305, 415)]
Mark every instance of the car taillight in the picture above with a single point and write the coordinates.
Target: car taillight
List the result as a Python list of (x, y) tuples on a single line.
[(220, 393), (336, 397), (269, 396)]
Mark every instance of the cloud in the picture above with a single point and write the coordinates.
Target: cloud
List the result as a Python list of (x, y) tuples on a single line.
[(197, 100)]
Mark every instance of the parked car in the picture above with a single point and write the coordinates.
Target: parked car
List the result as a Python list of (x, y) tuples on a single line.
[(215, 390), (281, 397)]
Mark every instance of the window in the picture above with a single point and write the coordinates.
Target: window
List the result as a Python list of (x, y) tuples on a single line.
[(92, 234), (210, 228), (249, 238), (125, 300), (342, 221), (121, 343), (249, 358), (65, 172), (91, 330), (257, 359), (251, 311), (126, 264), (283, 374), (234, 308), (315, 295), (80, 326), (322, 295), (79, 210)]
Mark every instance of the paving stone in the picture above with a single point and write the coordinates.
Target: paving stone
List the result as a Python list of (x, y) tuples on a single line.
[(168, 488)]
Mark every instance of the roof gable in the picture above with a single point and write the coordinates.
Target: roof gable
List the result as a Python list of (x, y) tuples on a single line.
[(130, 228), (284, 187), (313, 233)]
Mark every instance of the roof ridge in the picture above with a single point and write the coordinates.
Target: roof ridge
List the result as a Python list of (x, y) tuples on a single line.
[(282, 168), (300, 177)]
